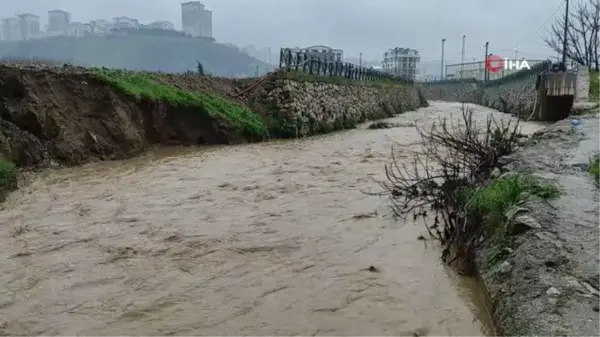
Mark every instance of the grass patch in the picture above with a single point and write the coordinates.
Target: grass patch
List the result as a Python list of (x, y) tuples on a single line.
[(8, 176), (594, 168), (140, 85), (594, 92), (494, 202), (495, 199)]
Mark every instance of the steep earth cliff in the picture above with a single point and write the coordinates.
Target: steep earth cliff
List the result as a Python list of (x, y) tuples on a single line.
[(72, 115)]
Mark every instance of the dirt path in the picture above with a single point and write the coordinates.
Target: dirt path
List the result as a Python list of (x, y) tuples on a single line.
[(549, 285)]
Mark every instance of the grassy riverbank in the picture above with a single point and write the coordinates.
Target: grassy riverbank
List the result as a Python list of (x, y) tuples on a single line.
[(145, 86), (471, 200)]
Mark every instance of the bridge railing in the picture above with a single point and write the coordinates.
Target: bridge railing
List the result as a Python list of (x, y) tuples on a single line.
[(291, 60)]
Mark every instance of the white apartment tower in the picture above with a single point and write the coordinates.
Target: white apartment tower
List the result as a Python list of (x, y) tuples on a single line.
[(58, 23), (401, 62), (11, 29), (29, 26), (207, 26), (196, 20)]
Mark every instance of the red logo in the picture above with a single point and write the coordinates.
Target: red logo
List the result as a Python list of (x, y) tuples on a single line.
[(494, 63)]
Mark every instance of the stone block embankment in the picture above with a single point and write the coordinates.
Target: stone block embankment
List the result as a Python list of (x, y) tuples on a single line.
[(72, 115), (516, 97), (515, 94), (308, 108)]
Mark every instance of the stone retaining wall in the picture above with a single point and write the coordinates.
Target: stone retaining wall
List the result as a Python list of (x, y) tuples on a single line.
[(303, 108), (517, 97)]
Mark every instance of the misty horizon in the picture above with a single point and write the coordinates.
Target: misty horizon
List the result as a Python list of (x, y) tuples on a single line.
[(345, 25)]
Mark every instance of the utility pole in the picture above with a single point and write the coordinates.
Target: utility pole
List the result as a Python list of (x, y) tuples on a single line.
[(462, 57), (442, 69), (485, 69), (360, 59), (564, 51)]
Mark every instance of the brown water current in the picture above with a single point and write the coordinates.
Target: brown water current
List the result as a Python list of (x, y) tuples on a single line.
[(263, 239)]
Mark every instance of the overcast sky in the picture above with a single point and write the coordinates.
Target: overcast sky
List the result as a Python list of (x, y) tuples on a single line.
[(367, 26)]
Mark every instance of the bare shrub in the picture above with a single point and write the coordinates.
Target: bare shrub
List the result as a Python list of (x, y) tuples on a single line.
[(455, 158)]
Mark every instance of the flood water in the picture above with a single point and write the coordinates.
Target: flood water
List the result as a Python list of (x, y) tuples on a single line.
[(262, 239)]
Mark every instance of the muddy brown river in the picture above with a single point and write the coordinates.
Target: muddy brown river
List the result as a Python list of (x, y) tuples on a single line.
[(262, 239)]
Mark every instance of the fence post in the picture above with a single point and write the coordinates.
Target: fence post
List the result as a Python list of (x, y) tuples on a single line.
[(310, 67), (318, 66), (281, 58), (304, 62), (297, 60), (289, 57)]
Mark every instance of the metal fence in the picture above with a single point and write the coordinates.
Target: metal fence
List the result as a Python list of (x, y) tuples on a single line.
[(477, 70), (536, 69), (313, 65)]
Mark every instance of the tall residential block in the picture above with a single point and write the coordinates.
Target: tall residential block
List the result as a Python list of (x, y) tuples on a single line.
[(29, 26), (195, 19), (11, 29), (58, 23), (402, 62), (207, 26)]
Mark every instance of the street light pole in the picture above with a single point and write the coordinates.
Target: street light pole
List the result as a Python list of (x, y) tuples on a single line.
[(462, 57), (564, 51), (485, 69), (442, 70)]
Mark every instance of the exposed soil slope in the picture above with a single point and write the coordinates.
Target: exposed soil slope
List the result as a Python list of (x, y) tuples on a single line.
[(72, 116)]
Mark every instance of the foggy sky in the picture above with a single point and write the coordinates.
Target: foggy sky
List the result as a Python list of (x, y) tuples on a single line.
[(367, 26)]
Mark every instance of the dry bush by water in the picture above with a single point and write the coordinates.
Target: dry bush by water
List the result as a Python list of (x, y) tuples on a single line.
[(448, 184)]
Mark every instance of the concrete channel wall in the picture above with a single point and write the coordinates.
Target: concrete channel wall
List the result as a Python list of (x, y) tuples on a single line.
[(533, 94)]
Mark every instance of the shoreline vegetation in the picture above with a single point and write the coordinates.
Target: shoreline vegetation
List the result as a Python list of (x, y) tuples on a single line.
[(456, 187), (8, 177)]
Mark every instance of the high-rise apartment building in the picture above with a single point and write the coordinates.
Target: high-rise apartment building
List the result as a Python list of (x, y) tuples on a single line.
[(402, 62), (125, 22), (323, 53), (165, 25), (196, 20), (58, 22), (29, 26), (79, 29), (11, 30), (101, 27)]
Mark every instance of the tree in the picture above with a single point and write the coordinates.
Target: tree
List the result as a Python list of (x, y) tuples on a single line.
[(200, 68), (582, 34)]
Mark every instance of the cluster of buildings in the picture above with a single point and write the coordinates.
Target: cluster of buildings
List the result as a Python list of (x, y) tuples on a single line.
[(196, 22), (396, 61), (263, 54)]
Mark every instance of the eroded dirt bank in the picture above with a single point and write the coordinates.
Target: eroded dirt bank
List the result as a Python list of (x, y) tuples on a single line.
[(260, 239), (546, 282), (71, 115)]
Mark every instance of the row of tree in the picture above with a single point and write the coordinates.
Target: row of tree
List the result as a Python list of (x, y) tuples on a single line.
[(583, 26)]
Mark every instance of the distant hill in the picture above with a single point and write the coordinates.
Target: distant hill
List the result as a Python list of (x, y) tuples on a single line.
[(173, 52)]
